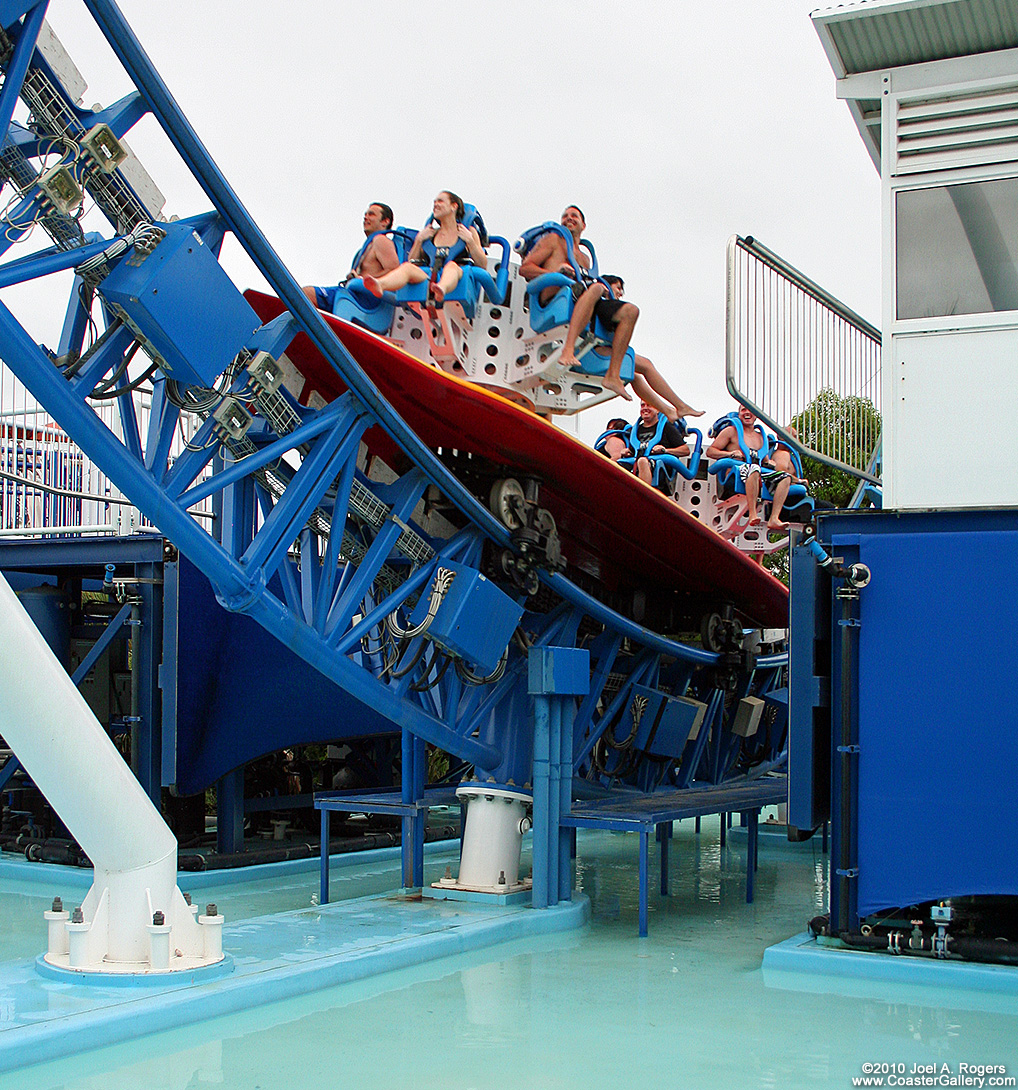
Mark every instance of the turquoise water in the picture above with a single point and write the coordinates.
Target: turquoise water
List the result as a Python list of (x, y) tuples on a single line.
[(596, 1008), (23, 901)]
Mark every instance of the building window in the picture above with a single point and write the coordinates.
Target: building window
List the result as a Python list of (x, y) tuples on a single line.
[(957, 249)]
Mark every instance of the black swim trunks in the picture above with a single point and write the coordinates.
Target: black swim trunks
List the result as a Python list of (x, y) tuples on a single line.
[(605, 308)]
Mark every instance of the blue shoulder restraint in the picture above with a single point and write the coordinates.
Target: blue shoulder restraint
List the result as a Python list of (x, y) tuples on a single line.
[(526, 242), (471, 218), (732, 420), (642, 449), (359, 256), (602, 439)]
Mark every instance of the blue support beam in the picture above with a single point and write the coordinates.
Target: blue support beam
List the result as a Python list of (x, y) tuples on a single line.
[(555, 676), (17, 66)]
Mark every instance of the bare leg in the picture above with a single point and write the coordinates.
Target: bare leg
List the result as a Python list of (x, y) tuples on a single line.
[(399, 278), (656, 381), (643, 470), (625, 323), (753, 498), (451, 274), (582, 311), (645, 393), (780, 495)]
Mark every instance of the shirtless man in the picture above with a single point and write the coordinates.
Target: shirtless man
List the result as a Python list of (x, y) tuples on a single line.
[(550, 255), (379, 258), (726, 445)]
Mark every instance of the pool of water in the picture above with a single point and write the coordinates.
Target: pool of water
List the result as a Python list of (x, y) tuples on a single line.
[(596, 1008)]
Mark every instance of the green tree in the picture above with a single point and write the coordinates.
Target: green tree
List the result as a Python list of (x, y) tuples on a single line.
[(845, 428)]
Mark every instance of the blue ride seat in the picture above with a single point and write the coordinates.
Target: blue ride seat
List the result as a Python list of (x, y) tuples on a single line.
[(664, 467), (558, 310), (617, 427), (799, 504), (474, 279), (727, 470), (595, 362), (354, 303)]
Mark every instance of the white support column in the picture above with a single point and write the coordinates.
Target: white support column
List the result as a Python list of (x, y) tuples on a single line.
[(60, 743)]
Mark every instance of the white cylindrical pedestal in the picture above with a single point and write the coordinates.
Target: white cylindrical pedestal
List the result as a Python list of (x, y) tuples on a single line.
[(56, 932), (77, 944), (212, 930), (492, 838), (159, 946)]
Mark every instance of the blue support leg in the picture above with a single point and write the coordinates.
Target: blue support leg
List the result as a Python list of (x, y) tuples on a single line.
[(146, 655), (421, 816), (230, 812), (323, 895), (554, 676), (751, 843), (542, 729), (566, 837), (11, 765), (665, 836), (644, 878), (554, 782), (406, 840)]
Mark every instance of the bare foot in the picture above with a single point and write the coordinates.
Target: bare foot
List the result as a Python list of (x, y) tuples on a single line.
[(373, 286), (437, 294), (685, 409), (567, 359), (754, 520), (617, 386), (776, 524)]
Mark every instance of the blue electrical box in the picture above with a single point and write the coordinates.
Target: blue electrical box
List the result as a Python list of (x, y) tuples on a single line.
[(187, 314), (475, 620), (664, 724)]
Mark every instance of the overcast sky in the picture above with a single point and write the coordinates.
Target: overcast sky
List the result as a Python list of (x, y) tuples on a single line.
[(672, 125)]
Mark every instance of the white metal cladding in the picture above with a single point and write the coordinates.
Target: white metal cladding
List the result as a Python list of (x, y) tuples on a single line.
[(936, 132), (878, 34)]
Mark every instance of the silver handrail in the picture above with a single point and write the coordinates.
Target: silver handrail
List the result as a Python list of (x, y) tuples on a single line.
[(793, 349)]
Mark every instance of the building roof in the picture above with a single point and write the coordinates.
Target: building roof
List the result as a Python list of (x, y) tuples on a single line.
[(875, 35)]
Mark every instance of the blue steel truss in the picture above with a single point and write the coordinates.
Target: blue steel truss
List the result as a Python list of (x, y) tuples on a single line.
[(329, 561)]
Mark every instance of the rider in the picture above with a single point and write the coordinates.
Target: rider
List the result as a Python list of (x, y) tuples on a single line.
[(603, 299), (375, 258), (440, 251), (758, 468)]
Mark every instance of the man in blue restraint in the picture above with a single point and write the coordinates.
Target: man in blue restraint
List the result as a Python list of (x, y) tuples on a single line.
[(550, 255), (374, 259), (669, 441), (756, 469)]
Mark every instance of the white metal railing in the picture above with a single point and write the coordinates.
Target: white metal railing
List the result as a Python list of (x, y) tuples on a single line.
[(49, 487), (795, 353)]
